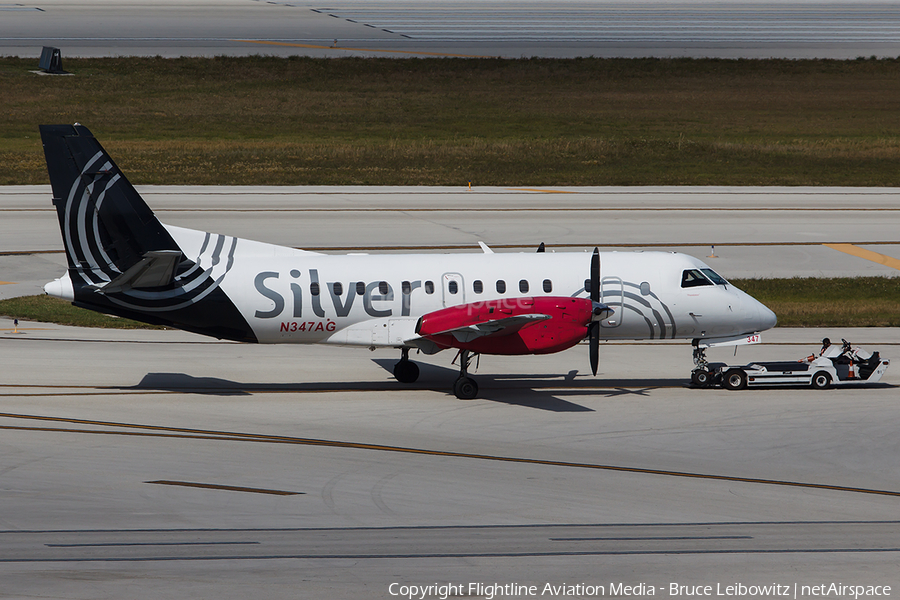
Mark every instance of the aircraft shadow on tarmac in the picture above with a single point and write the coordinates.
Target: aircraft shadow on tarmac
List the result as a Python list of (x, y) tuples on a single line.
[(537, 390), (532, 390)]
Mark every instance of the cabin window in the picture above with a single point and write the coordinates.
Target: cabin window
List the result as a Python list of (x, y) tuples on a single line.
[(587, 285), (338, 288), (314, 288), (645, 289), (383, 287), (477, 286), (693, 278), (501, 286), (429, 287), (548, 286), (452, 287), (360, 288), (406, 288), (523, 286)]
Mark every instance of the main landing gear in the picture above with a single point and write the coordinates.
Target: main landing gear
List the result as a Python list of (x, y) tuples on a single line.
[(465, 387), (406, 371)]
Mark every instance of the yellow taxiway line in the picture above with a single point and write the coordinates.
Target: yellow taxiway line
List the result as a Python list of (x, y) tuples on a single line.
[(229, 488), (881, 259), (161, 431)]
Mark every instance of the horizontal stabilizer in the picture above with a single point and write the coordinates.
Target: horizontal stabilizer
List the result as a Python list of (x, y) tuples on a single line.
[(156, 269)]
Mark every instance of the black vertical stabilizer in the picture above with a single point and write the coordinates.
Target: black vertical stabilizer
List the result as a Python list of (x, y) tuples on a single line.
[(122, 260), (85, 182)]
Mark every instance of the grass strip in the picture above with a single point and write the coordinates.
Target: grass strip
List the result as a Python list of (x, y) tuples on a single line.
[(829, 302), (798, 302), (430, 121), (47, 309)]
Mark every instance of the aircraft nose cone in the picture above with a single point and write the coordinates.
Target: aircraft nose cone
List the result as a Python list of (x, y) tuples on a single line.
[(767, 318)]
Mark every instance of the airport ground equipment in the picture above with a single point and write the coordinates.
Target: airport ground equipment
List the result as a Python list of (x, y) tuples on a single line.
[(835, 366)]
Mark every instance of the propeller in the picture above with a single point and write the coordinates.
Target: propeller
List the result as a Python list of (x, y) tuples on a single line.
[(594, 327)]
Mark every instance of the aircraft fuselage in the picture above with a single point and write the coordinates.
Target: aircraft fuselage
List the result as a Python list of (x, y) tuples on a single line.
[(292, 296)]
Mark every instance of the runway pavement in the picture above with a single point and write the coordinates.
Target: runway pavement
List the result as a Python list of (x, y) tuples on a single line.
[(513, 29), (148, 464), (757, 232)]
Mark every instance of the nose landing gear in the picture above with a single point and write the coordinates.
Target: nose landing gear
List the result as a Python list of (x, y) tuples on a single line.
[(700, 376)]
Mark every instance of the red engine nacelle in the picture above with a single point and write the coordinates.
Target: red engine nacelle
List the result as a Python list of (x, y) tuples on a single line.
[(565, 322)]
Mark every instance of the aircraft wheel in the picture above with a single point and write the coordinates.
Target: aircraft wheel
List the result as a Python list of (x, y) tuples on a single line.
[(406, 371), (465, 388), (735, 379), (821, 380), (701, 378)]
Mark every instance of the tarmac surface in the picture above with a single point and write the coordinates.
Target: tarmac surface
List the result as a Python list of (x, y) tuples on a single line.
[(159, 464), (404, 28)]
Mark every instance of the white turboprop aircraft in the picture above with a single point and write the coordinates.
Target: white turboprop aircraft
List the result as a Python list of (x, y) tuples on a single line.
[(123, 261)]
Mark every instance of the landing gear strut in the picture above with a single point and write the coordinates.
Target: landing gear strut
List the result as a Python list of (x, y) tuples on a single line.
[(406, 371), (465, 387), (700, 376)]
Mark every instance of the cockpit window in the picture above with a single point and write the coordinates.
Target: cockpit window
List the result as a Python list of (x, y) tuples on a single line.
[(714, 277), (694, 278)]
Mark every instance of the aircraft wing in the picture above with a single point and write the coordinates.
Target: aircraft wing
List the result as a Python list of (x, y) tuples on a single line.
[(495, 327), (512, 326)]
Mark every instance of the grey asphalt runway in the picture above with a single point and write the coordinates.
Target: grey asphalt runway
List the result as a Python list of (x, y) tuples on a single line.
[(149, 464), (513, 29), (757, 232)]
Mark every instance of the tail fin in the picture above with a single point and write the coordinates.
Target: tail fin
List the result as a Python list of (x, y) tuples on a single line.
[(121, 259), (107, 227)]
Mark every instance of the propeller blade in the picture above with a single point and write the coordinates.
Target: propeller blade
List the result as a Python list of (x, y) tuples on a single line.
[(595, 299)]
